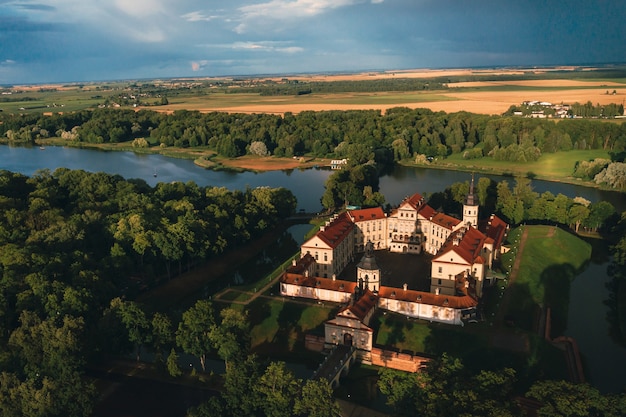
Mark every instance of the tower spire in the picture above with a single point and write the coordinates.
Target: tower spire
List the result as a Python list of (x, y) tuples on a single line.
[(470, 199), (470, 206)]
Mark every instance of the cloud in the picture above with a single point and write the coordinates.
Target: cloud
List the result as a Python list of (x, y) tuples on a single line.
[(289, 10), (262, 46), (7, 62), (33, 6), (199, 65), (198, 16), (140, 8)]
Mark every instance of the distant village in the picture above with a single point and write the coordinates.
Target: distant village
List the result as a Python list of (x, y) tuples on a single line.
[(545, 109)]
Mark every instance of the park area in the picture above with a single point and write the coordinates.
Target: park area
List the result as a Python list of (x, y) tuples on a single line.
[(537, 272)]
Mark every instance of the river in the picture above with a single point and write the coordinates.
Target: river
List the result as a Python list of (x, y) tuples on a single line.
[(605, 360), (307, 185)]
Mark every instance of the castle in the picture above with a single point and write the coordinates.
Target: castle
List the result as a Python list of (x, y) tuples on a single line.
[(463, 252)]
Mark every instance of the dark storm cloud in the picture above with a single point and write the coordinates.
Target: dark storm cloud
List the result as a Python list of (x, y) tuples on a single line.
[(157, 38)]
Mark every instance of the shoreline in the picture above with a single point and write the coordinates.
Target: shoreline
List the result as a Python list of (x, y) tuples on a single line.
[(508, 174), (208, 159)]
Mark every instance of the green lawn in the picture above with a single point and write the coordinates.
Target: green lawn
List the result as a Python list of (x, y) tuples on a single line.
[(551, 259), (553, 166), (279, 326)]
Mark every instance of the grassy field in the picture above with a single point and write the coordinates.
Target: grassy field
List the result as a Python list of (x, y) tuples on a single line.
[(278, 327), (550, 260), (246, 103), (550, 166), (485, 94), (63, 99)]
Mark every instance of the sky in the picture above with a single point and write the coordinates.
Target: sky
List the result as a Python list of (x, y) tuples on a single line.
[(45, 41)]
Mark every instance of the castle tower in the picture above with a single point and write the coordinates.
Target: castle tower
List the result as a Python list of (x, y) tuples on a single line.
[(470, 207), (367, 271)]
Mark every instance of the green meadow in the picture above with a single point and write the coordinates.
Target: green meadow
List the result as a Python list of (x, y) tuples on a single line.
[(557, 166), (549, 262)]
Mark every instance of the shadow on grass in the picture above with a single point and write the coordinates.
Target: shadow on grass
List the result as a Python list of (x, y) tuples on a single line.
[(557, 282)]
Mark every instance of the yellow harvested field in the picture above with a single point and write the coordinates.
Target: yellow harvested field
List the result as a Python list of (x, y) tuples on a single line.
[(497, 102), (538, 83), (482, 102), (489, 97)]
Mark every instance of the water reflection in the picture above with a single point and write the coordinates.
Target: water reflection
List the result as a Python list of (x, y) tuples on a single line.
[(605, 361)]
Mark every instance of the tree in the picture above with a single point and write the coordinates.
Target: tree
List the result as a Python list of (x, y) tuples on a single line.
[(193, 334), (258, 148), (241, 378), (561, 398), (231, 337), (577, 215), (162, 334), (278, 389), (400, 149), (51, 382), (137, 324), (445, 388), (482, 190), (317, 400), (599, 213), (172, 364), (400, 388)]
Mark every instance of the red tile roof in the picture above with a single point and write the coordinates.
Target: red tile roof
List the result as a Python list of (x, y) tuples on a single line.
[(301, 265), (318, 282), (427, 211), (364, 305), (360, 215), (336, 231), (495, 229), (414, 201), (422, 297), (467, 243), (444, 220)]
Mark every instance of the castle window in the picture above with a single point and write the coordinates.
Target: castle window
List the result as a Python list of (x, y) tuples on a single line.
[(440, 270)]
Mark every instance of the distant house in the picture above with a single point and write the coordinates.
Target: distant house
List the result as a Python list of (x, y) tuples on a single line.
[(338, 163)]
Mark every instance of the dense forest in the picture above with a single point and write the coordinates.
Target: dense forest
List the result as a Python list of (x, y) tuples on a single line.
[(75, 247), (398, 134)]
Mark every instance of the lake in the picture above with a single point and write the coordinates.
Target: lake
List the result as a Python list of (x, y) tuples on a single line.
[(307, 185), (605, 360)]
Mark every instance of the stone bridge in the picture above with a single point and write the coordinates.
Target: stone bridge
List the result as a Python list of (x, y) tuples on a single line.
[(336, 364)]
